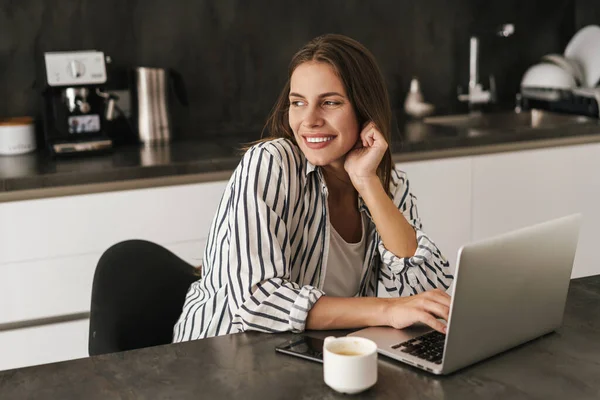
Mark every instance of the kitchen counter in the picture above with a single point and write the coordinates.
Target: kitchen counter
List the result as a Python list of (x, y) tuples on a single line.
[(37, 175), (560, 365)]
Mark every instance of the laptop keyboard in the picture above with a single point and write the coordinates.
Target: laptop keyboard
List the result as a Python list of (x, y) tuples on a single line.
[(429, 347)]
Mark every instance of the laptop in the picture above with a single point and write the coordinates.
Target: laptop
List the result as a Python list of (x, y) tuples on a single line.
[(508, 290)]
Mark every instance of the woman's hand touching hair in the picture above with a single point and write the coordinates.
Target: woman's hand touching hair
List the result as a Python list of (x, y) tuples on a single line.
[(363, 160)]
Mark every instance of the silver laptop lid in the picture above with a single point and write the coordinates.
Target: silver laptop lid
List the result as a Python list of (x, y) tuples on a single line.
[(509, 289)]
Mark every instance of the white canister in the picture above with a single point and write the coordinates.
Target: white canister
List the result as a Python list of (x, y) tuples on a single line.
[(17, 135)]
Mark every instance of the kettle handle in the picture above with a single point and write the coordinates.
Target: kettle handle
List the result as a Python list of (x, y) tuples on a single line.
[(178, 87)]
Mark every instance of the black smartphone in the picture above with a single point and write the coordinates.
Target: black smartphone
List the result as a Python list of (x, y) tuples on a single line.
[(303, 346)]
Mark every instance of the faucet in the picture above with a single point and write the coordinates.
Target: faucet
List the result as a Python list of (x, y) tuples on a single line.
[(476, 94)]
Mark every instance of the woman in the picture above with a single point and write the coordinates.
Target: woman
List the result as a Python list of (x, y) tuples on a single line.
[(315, 217)]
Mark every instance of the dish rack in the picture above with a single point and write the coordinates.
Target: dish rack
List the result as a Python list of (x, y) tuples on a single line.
[(579, 101)]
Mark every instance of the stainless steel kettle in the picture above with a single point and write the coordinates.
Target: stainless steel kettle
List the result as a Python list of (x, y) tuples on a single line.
[(151, 103)]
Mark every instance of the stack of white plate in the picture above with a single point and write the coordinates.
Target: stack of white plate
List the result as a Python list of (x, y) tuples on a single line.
[(579, 67)]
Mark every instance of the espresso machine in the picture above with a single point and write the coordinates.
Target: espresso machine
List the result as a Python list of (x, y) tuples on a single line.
[(75, 104)]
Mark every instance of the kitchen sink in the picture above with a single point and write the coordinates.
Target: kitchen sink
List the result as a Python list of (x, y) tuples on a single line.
[(508, 121)]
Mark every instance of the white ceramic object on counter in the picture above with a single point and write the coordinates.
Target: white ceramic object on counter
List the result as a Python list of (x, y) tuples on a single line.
[(584, 47), (568, 64), (17, 135), (414, 104), (349, 363), (548, 76)]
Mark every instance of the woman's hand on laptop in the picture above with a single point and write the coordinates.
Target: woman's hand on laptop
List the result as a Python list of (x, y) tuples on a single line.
[(425, 307)]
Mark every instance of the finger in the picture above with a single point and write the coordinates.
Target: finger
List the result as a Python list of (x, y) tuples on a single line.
[(433, 322), (437, 309), (364, 131), (364, 136), (367, 127), (438, 296), (442, 298), (377, 137)]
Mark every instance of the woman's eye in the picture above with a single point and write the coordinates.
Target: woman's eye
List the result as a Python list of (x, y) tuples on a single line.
[(297, 103), (330, 103)]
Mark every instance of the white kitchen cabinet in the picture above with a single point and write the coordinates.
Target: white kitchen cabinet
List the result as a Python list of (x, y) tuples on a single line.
[(63, 226), (52, 287), (49, 249), (44, 344), (513, 190), (39, 289), (443, 191)]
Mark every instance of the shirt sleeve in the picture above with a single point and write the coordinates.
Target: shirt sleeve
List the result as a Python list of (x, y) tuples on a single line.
[(427, 268), (261, 296)]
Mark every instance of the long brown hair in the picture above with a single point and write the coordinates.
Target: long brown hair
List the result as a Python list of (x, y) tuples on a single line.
[(362, 79)]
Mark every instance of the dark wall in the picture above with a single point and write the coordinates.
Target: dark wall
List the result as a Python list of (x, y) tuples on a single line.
[(587, 12), (233, 54)]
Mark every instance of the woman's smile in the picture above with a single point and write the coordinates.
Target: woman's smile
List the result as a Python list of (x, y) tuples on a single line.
[(317, 141)]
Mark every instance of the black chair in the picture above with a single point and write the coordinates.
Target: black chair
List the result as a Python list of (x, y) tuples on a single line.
[(137, 296)]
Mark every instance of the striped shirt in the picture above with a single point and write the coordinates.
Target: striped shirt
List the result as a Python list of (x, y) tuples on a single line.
[(265, 259)]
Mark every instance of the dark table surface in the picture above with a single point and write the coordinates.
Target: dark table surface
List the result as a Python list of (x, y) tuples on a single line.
[(411, 140), (561, 365)]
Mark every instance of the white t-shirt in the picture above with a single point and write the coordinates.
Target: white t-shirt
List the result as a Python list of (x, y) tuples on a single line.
[(344, 263)]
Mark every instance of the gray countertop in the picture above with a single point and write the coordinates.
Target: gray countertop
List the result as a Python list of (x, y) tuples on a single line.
[(561, 365), (37, 175)]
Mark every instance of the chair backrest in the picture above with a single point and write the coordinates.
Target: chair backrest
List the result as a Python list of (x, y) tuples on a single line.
[(137, 296)]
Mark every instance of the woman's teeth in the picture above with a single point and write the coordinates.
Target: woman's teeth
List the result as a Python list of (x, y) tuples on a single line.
[(319, 139)]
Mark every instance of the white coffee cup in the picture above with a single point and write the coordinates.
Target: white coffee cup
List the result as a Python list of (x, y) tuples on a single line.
[(349, 364)]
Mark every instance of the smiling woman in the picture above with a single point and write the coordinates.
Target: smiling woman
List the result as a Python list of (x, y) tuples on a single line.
[(321, 120), (315, 219)]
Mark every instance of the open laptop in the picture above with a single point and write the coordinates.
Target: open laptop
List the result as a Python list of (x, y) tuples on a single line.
[(508, 290)]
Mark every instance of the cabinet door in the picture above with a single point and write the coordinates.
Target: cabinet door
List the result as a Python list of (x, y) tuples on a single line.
[(60, 286), (514, 190), (40, 289), (84, 224), (443, 191), (44, 344)]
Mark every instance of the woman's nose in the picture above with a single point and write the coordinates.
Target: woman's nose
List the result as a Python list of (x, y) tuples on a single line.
[(312, 117)]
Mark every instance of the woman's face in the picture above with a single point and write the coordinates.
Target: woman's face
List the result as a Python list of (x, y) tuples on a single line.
[(321, 116)]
